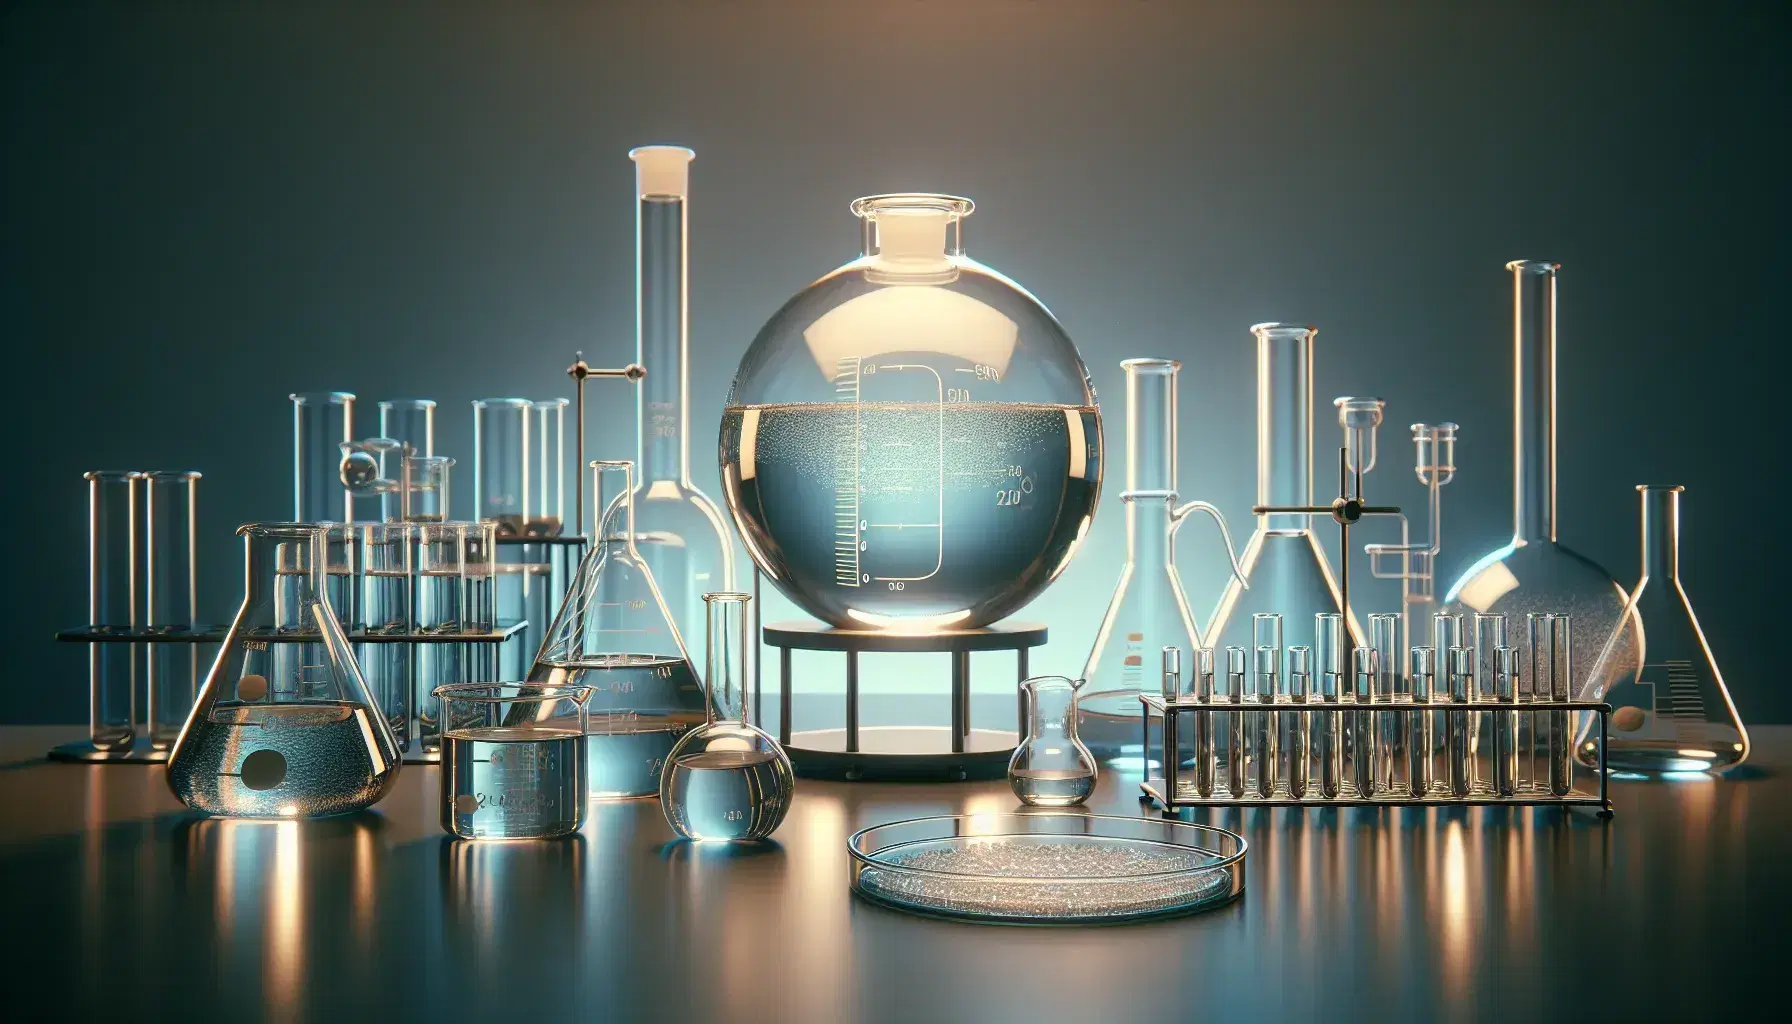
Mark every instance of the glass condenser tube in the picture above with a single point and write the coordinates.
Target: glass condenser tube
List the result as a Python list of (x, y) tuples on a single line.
[(321, 422), (112, 502), (170, 527)]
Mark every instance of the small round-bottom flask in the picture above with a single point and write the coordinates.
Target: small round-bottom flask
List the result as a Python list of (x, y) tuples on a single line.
[(1051, 767), (726, 780)]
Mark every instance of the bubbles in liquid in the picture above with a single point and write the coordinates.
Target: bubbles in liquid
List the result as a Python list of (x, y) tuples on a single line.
[(282, 760), (893, 510), (513, 781), (728, 794), (640, 705)]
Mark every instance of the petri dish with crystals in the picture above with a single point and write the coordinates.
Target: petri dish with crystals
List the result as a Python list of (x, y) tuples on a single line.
[(1047, 867)]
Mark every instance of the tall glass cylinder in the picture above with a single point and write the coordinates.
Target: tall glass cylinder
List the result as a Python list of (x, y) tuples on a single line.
[(170, 527), (411, 422), (441, 603), (1284, 421), (547, 515), (321, 422), (113, 498), (501, 469), (388, 609)]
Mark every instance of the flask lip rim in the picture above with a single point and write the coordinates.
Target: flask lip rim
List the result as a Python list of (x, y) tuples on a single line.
[(868, 207)]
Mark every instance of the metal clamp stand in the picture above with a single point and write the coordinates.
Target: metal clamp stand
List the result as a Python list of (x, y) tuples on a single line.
[(579, 371)]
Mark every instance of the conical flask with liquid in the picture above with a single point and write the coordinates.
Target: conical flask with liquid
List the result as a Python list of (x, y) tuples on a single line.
[(726, 779), (1286, 567), (614, 633), (1051, 767), (1674, 713), (1149, 610), (1533, 573), (285, 726)]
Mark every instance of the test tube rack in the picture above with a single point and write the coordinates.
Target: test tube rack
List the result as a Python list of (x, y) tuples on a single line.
[(1344, 752)]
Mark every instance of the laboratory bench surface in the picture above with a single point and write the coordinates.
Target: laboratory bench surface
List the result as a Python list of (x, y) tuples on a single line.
[(120, 903)]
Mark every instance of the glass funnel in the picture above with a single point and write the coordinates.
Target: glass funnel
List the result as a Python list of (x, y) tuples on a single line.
[(1286, 567), (1533, 573), (727, 780), (1149, 609), (285, 726), (680, 533), (1051, 767), (1675, 714), (912, 441), (614, 634)]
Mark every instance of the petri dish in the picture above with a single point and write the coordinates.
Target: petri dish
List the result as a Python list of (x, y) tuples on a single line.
[(1047, 867)]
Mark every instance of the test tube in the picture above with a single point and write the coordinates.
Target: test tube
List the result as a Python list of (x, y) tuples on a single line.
[(411, 423), (1461, 670), (1552, 660), (1172, 690), (501, 470), (112, 504), (1172, 674), (440, 594), (1421, 671), (1489, 635), (321, 422), (548, 432), (423, 488), (1447, 631), (1384, 636), (170, 529), (1364, 764), (388, 609), (479, 585), (1235, 662), (1505, 723), (1328, 636), (1266, 634), (1203, 698), (1300, 684)]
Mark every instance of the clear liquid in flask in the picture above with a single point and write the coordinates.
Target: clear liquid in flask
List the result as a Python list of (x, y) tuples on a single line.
[(300, 760), (728, 794), (513, 781), (1051, 787), (640, 705)]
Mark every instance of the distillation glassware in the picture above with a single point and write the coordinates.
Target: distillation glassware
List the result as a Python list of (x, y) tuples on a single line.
[(912, 441), (285, 725), (680, 532), (614, 634), (1149, 609), (1285, 566), (1534, 572), (1674, 713), (1051, 767), (726, 779)]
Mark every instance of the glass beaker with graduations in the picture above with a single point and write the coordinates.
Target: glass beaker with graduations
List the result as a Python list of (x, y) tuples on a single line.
[(1149, 609), (680, 533), (285, 726), (513, 759), (1286, 567), (1533, 573), (1674, 713), (726, 779), (1051, 767), (614, 634)]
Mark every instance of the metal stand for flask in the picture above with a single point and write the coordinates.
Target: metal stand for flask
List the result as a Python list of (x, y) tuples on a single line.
[(857, 752), (1173, 790)]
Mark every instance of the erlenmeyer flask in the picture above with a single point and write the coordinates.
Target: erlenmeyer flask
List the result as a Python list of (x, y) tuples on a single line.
[(1287, 568), (727, 779), (679, 531), (1051, 767), (614, 634), (1533, 573), (1675, 714), (1149, 610), (285, 726)]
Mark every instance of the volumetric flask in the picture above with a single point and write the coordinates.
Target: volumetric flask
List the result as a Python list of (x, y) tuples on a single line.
[(614, 634), (170, 527), (1051, 767), (501, 468), (321, 422), (1149, 609), (513, 759), (727, 780), (285, 726), (1675, 714), (912, 440), (1533, 573)]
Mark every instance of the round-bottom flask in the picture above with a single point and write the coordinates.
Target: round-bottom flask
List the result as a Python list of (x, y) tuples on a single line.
[(726, 780)]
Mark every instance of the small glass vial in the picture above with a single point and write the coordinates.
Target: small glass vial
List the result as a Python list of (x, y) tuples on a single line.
[(1051, 767), (726, 780)]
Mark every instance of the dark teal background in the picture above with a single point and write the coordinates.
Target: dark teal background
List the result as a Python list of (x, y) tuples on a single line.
[(207, 206)]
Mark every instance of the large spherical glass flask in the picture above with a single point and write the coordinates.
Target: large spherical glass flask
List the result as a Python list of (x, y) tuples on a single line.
[(912, 441)]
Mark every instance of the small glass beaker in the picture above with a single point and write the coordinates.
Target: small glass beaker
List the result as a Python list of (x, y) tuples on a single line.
[(423, 488), (513, 759), (1051, 767)]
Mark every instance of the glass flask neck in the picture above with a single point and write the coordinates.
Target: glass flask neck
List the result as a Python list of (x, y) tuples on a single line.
[(1661, 531), (1151, 424), (908, 223), (725, 670), (612, 487), (1051, 707), (662, 338), (1533, 399), (1284, 421)]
